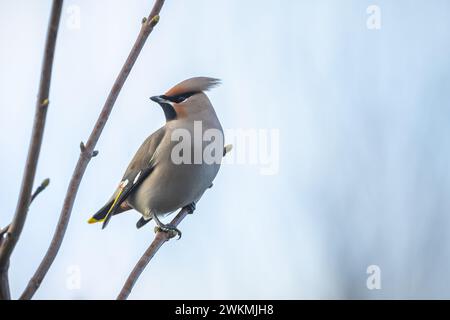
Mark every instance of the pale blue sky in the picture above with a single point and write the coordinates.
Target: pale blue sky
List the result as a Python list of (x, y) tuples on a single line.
[(364, 146)]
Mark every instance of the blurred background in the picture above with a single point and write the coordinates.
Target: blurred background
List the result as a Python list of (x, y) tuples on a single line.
[(361, 107)]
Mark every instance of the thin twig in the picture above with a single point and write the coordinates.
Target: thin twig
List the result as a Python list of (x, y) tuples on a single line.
[(4, 282), (88, 152), (14, 231), (39, 189), (160, 238), (36, 192)]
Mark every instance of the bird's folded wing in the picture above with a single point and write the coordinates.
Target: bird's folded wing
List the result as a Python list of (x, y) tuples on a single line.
[(138, 170)]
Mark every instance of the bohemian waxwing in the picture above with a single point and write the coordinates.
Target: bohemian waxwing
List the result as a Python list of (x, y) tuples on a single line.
[(155, 183)]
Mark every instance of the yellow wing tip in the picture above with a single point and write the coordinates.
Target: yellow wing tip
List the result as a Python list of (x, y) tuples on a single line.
[(228, 148)]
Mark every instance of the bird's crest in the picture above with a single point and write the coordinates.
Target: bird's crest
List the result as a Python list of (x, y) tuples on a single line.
[(196, 84)]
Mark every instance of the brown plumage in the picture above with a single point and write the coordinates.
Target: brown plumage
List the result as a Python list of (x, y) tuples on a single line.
[(196, 84), (155, 183)]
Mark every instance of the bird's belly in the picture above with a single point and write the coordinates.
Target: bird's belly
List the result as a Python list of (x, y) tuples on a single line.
[(173, 186)]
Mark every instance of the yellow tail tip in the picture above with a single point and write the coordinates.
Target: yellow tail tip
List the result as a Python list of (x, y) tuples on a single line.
[(93, 220)]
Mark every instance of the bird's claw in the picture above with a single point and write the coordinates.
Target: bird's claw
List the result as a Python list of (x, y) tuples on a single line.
[(170, 230)]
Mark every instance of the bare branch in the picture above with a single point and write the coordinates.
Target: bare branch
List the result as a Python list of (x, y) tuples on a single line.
[(88, 151), (14, 231), (160, 238), (36, 192), (3, 232), (5, 293)]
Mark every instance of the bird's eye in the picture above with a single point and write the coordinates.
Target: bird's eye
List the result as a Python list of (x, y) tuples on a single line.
[(181, 97)]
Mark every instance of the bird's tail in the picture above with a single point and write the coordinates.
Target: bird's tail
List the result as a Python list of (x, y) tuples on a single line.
[(101, 214)]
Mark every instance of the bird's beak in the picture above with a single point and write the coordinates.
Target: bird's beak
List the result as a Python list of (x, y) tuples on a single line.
[(166, 105), (158, 99)]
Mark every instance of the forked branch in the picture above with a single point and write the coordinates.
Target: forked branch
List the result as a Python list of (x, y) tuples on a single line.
[(9, 242), (88, 152)]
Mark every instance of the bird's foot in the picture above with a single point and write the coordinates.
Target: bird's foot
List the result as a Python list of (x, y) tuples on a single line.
[(191, 208), (169, 229)]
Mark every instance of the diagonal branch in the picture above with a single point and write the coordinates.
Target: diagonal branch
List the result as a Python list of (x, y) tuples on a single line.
[(160, 238), (36, 192), (4, 281), (5, 293), (8, 244), (88, 151)]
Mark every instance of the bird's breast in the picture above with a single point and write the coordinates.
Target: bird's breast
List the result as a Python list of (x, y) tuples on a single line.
[(186, 163)]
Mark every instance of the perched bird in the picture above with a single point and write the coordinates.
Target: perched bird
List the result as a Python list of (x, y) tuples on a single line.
[(156, 185)]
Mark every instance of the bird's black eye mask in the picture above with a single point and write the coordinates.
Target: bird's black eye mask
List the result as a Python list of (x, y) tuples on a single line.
[(164, 102), (179, 97)]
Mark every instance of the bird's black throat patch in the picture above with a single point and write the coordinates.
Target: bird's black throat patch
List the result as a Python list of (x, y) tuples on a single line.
[(169, 111)]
